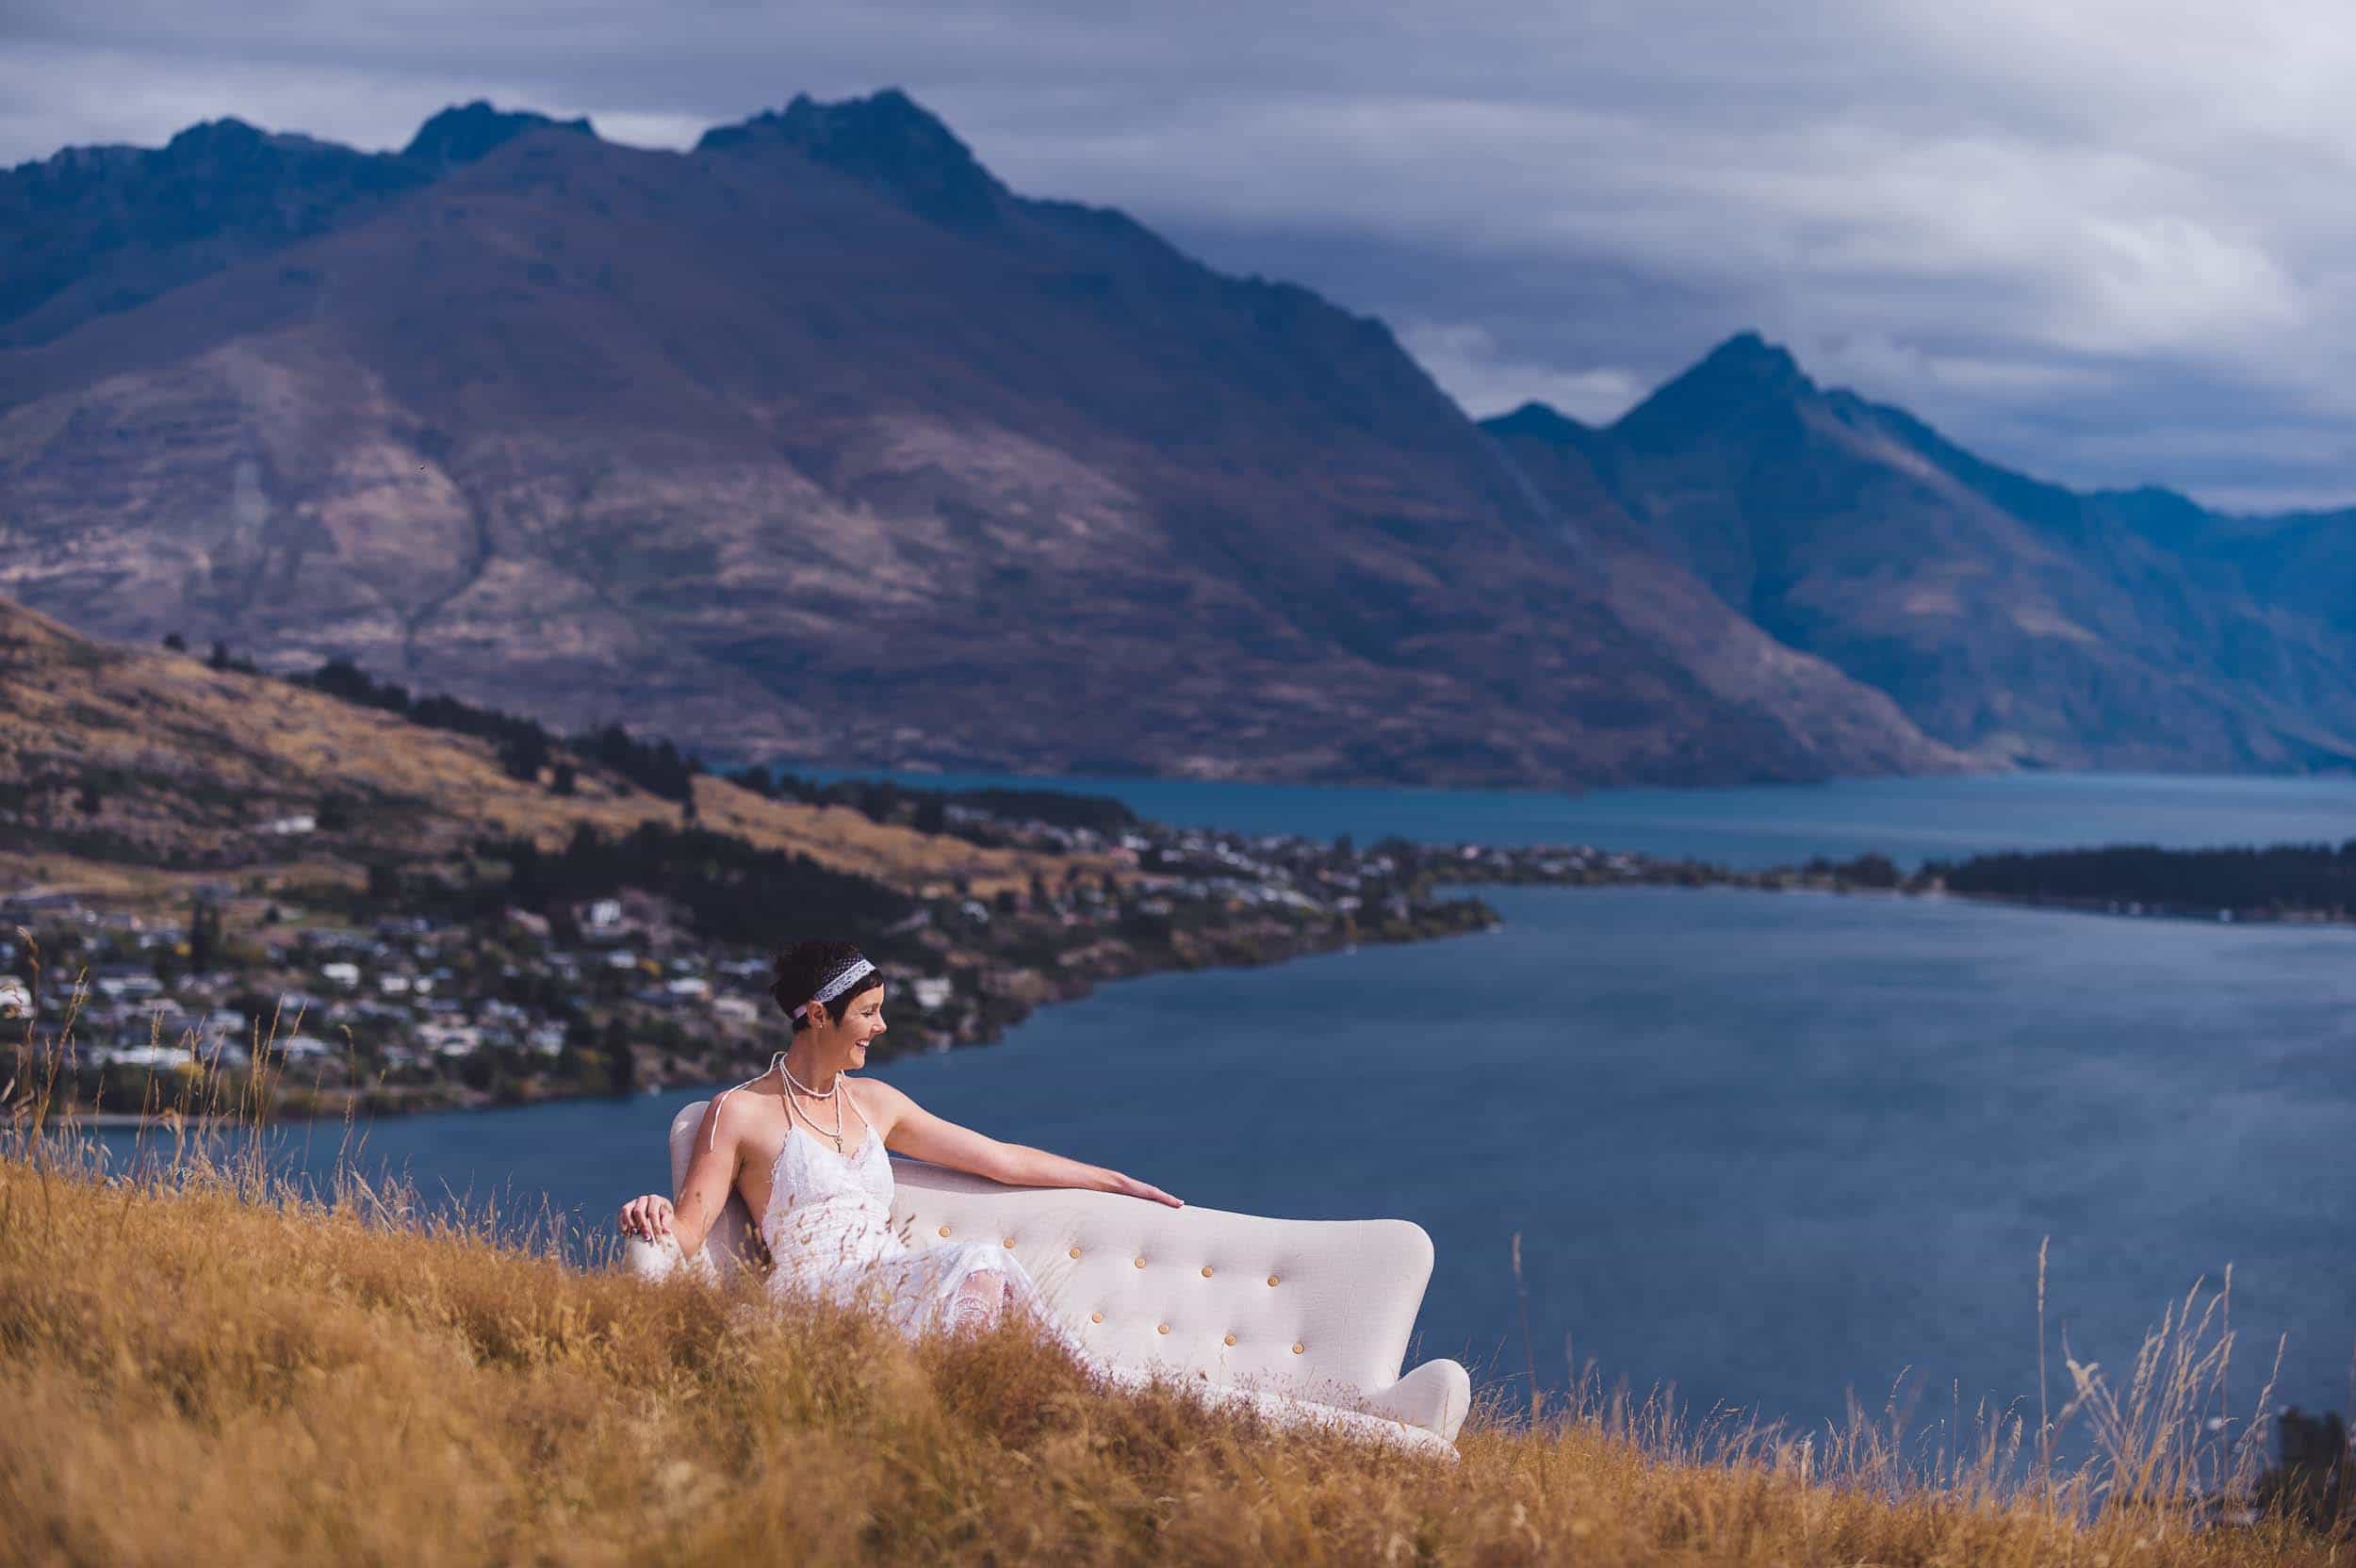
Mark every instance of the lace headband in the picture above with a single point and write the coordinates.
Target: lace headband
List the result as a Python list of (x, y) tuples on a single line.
[(858, 969)]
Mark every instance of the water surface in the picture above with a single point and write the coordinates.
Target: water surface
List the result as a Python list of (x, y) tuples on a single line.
[(1908, 818)]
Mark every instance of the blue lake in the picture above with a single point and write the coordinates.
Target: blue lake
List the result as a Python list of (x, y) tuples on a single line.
[(1766, 1147), (1909, 820)]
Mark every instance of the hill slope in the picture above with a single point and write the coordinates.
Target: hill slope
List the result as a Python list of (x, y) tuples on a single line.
[(818, 444), (2015, 619), (304, 1376), (190, 766)]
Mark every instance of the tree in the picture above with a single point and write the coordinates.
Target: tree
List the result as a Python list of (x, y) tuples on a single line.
[(524, 754), (176, 643), (563, 781), (621, 1068), (203, 937)]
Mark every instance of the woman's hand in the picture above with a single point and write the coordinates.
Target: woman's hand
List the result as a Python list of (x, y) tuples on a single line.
[(1129, 1187), (648, 1217)]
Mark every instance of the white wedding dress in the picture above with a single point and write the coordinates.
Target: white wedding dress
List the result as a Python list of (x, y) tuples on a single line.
[(828, 1231)]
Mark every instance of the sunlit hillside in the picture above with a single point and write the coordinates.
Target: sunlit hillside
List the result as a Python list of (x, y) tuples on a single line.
[(118, 758)]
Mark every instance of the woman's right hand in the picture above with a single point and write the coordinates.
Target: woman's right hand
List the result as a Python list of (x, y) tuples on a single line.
[(648, 1217)]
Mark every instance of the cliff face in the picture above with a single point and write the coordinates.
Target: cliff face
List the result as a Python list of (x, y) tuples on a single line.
[(2017, 620), (817, 444)]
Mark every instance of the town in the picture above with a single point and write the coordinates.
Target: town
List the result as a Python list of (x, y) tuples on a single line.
[(432, 1005)]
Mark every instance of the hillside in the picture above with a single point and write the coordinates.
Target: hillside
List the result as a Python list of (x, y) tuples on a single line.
[(817, 444), (122, 767), (2013, 619), (277, 1382), (457, 907)]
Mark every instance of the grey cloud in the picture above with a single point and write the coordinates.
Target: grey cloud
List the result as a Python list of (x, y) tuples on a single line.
[(2076, 239)]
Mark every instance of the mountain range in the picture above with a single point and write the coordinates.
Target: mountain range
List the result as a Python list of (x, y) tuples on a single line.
[(817, 444)]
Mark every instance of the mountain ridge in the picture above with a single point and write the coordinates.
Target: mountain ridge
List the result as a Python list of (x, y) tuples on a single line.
[(2011, 617), (819, 444)]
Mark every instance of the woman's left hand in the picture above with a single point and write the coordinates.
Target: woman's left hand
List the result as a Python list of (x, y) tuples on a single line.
[(1129, 1187)]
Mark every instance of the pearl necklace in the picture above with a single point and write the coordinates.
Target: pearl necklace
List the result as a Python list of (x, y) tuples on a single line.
[(777, 1061), (792, 1083)]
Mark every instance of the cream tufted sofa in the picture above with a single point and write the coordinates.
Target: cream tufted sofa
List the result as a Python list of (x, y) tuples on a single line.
[(1300, 1319)]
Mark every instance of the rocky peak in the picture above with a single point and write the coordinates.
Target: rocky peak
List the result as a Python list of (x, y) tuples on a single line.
[(1536, 421), (464, 132), (885, 140), (1742, 377)]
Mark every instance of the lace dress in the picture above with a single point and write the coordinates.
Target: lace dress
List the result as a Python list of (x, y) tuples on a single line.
[(828, 1230)]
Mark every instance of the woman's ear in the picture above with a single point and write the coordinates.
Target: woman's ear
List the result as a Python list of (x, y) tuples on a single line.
[(816, 1013)]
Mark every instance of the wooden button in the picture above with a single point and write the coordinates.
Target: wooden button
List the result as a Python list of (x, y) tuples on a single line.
[(1271, 1279), (1296, 1349), (1096, 1317), (1231, 1339), (1007, 1244), (944, 1230), (1161, 1328), (1140, 1262), (1075, 1251), (1206, 1270)]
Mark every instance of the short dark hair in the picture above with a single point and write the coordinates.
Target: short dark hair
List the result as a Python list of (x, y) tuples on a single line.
[(805, 966)]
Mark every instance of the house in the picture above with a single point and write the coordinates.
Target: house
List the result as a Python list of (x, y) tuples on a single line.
[(133, 984), (142, 1055), (340, 973), (450, 1039)]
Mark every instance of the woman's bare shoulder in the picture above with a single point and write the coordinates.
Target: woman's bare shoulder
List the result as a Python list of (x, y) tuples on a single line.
[(732, 1113), (879, 1102)]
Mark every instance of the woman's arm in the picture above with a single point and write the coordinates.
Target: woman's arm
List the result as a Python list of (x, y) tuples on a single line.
[(710, 1177), (916, 1131)]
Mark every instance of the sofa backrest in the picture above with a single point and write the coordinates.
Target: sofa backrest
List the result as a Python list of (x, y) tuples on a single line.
[(1311, 1305)]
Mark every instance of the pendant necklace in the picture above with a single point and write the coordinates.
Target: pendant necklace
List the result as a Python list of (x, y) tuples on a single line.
[(792, 1083)]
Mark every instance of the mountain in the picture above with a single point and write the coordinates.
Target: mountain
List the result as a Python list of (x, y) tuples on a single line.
[(2015, 620), (96, 230), (817, 444)]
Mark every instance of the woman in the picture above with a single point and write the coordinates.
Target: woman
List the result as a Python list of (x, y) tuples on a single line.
[(803, 1144)]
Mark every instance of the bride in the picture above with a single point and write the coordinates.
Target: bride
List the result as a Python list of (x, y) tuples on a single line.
[(803, 1144)]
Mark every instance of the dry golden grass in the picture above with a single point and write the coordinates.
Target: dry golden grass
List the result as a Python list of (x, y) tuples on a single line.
[(76, 706), (199, 1364), (199, 1369)]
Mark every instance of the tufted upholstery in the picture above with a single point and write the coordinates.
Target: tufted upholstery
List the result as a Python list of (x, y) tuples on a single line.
[(1297, 1317)]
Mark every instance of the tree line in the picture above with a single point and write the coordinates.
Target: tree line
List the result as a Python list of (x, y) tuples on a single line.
[(2279, 879)]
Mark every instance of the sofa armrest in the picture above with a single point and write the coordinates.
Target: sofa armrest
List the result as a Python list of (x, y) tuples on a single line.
[(1436, 1396), (661, 1260)]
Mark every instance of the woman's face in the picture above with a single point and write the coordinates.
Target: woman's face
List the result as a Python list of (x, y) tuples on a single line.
[(861, 1021)]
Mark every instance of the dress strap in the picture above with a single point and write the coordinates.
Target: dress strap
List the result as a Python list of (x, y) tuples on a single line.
[(776, 1064), (867, 1127), (713, 1142)]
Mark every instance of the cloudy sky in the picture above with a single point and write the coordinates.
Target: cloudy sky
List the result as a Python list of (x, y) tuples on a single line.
[(2107, 242)]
